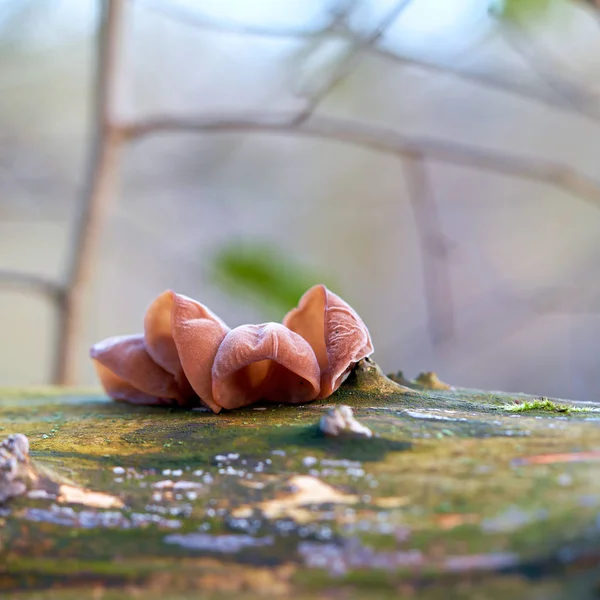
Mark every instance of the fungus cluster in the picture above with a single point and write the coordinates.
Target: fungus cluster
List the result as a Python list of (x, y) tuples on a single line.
[(189, 357)]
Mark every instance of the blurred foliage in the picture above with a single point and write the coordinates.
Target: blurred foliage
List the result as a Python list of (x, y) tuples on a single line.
[(261, 273), (521, 10)]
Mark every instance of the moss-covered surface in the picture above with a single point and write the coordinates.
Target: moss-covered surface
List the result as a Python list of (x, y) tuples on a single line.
[(547, 404), (538, 404), (456, 498)]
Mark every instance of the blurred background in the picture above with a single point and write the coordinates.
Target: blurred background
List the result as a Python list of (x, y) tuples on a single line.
[(477, 256)]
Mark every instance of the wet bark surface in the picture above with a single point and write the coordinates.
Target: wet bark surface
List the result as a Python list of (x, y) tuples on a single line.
[(458, 494)]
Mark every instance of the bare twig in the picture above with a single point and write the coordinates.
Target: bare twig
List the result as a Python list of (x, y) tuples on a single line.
[(591, 6), (567, 87), (567, 301), (98, 193), (494, 82), (436, 276), (352, 59), (572, 98), (28, 282), (381, 139), (498, 312)]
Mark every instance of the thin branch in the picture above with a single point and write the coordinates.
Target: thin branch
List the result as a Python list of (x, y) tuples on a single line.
[(98, 192), (496, 83), (568, 88), (592, 7), (567, 301), (352, 59), (29, 282), (380, 139), (500, 311), (562, 101), (436, 274)]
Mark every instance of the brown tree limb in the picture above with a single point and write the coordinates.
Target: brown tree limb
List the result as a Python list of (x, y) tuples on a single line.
[(436, 273), (98, 192), (381, 139), (29, 282)]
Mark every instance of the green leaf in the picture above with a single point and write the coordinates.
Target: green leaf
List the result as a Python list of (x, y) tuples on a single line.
[(522, 10), (263, 274)]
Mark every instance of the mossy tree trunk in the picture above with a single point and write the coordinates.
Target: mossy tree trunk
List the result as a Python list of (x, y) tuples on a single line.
[(455, 493)]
